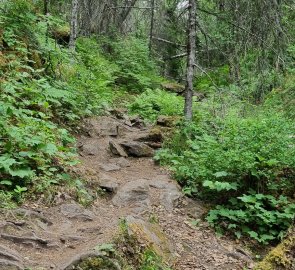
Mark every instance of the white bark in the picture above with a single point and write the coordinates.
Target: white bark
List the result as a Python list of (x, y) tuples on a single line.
[(191, 51), (74, 25)]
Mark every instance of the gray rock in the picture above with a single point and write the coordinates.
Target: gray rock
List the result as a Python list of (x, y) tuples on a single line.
[(101, 126), (137, 149), (91, 149), (108, 183), (153, 136), (75, 211), (117, 150), (122, 162), (171, 193), (135, 193), (110, 167)]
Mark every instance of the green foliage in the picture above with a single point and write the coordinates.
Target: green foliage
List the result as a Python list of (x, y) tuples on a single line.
[(136, 71), (152, 103), (152, 261), (222, 159), (262, 217), (40, 91)]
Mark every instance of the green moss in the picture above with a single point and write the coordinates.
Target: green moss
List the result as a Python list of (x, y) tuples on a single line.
[(281, 257), (98, 263)]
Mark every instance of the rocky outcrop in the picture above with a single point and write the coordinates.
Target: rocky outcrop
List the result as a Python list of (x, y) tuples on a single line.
[(137, 149)]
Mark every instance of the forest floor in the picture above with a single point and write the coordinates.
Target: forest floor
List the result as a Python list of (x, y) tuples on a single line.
[(36, 237)]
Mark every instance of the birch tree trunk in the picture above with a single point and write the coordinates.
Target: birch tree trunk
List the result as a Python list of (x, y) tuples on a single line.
[(191, 52), (74, 25), (152, 26)]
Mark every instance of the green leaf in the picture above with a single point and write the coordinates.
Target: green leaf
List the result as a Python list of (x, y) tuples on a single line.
[(253, 234), (49, 149), (22, 173), (220, 174), (6, 183)]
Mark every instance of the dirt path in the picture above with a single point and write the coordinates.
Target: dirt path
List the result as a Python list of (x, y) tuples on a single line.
[(49, 238)]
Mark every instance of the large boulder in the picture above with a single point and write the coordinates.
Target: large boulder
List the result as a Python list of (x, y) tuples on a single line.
[(101, 126), (137, 149), (134, 193)]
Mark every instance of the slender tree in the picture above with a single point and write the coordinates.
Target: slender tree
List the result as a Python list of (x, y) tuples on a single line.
[(74, 25), (152, 26), (191, 60)]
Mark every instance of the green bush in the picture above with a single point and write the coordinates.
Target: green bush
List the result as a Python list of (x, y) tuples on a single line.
[(226, 158), (262, 217), (41, 92), (152, 103), (136, 70)]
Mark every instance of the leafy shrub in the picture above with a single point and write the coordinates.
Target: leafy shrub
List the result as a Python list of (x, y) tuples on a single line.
[(39, 93), (262, 217), (226, 158), (152, 103), (136, 71)]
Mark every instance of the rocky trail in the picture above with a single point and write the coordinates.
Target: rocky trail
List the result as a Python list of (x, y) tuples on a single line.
[(116, 155)]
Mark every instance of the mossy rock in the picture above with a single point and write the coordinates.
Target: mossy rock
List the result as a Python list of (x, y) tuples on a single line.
[(101, 263), (281, 257), (61, 34), (151, 237), (173, 87), (168, 121)]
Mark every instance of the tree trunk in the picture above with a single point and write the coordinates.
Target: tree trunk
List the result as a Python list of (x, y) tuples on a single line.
[(152, 26), (74, 25), (191, 51), (46, 13)]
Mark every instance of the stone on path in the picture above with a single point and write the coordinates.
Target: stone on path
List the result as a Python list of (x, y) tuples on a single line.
[(137, 149), (108, 183), (134, 192), (122, 162), (139, 192), (91, 149), (75, 211), (117, 150), (110, 167)]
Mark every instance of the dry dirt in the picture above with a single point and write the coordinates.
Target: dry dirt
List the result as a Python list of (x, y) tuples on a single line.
[(36, 237)]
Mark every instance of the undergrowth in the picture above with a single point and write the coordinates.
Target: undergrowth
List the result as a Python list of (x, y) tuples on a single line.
[(46, 90), (245, 166)]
